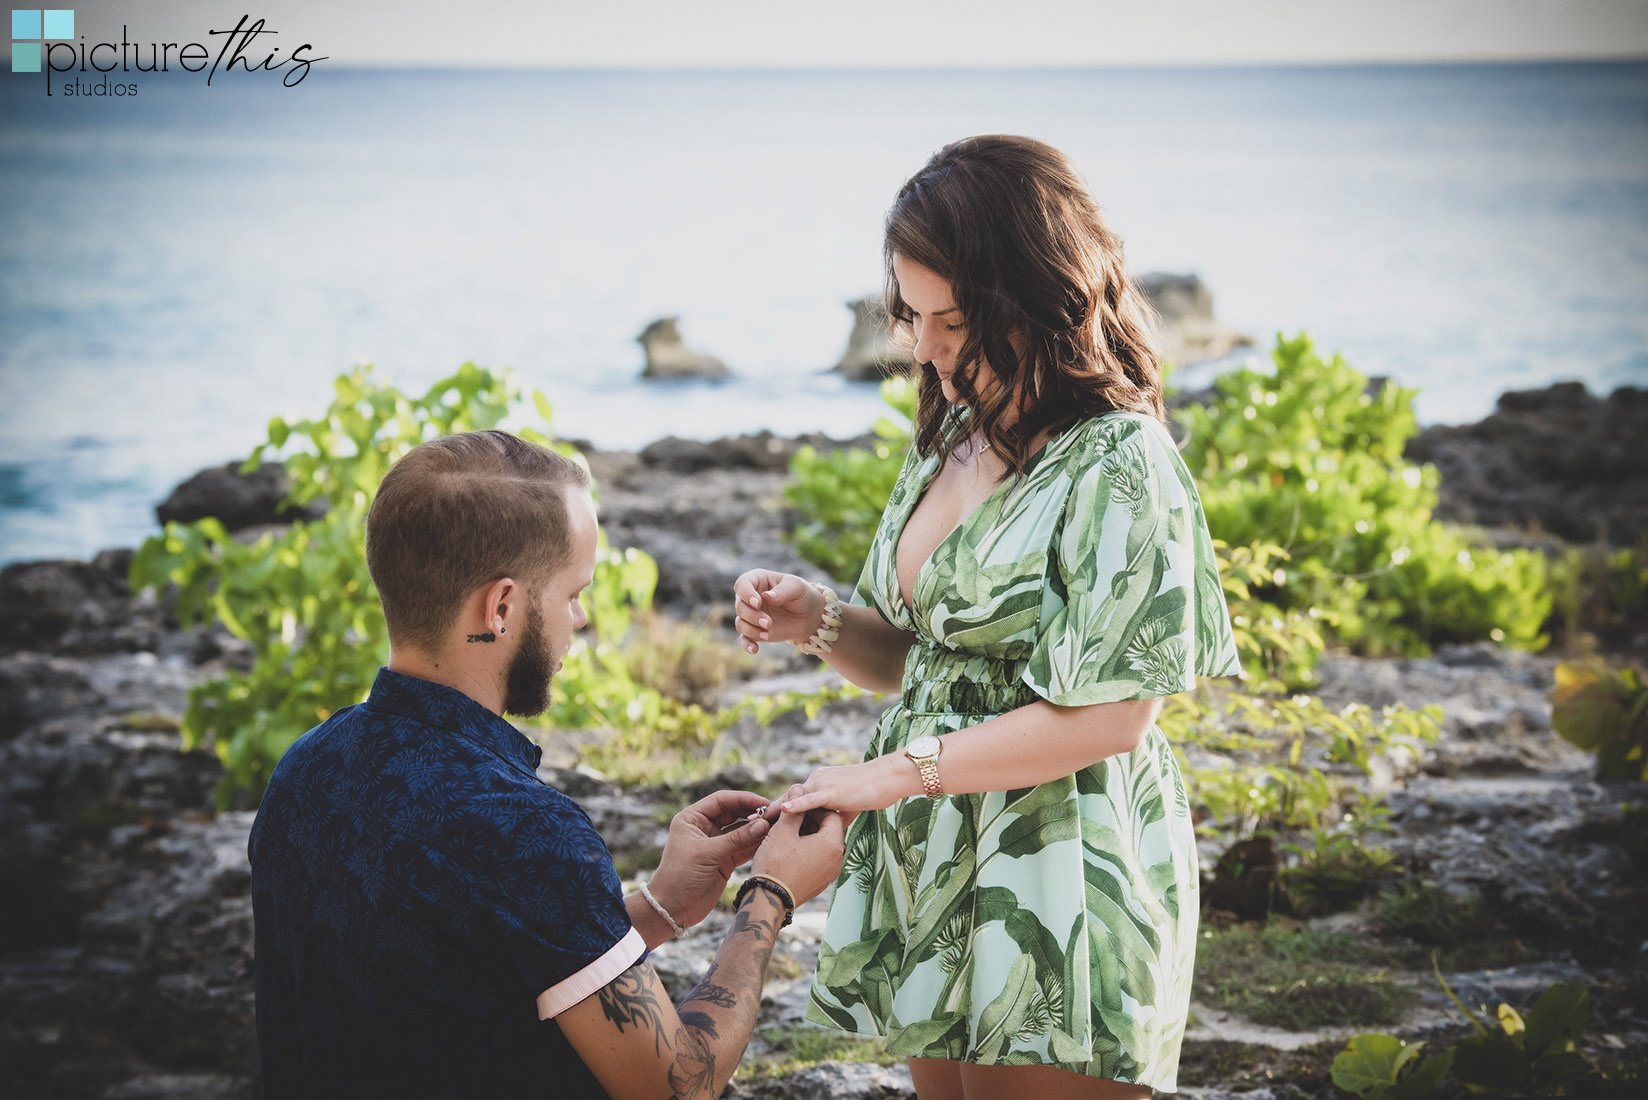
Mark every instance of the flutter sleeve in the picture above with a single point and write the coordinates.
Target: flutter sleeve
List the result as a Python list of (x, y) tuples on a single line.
[(1133, 608)]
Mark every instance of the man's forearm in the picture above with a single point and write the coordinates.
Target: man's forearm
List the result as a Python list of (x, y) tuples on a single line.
[(718, 1016), (653, 928)]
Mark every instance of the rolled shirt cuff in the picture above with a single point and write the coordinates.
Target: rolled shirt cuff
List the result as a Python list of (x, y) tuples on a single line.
[(569, 991)]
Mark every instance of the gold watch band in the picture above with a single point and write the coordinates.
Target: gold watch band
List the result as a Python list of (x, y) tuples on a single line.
[(929, 777)]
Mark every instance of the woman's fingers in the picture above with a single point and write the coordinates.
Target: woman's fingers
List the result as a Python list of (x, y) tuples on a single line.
[(817, 800), (787, 589), (753, 618), (752, 621), (749, 587)]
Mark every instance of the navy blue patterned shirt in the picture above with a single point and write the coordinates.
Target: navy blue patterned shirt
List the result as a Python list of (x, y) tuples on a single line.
[(425, 906)]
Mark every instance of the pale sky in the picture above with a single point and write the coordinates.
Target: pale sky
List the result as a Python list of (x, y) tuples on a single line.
[(896, 33)]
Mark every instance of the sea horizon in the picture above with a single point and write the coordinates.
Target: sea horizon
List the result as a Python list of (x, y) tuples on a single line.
[(182, 267)]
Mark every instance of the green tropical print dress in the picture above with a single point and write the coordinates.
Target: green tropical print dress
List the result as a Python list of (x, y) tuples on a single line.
[(1052, 925)]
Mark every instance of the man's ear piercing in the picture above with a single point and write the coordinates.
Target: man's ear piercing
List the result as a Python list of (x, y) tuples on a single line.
[(503, 630)]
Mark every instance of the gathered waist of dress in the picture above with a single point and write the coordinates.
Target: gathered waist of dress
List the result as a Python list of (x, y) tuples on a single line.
[(942, 680), (964, 696)]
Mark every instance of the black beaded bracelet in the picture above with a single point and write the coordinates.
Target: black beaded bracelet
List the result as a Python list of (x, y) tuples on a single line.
[(773, 887)]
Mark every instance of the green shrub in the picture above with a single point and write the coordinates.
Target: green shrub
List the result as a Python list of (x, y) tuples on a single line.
[(1536, 1055), (1601, 591), (1278, 648), (1309, 456), (1324, 528), (1264, 762), (1430, 916), (1604, 711), (1339, 866), (304, 601), (1383, 1067), (840, 494)]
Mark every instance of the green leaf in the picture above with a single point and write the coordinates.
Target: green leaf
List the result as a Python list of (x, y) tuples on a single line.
[(1033, 832), (1420, 1080), (1557, 1018), (844, 966), (939, 1030), (1003, 1016), (1489, 1063), (1371, 1063), (1588, 704)]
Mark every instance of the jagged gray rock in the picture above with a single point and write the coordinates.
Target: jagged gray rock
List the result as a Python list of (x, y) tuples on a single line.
[(1558, 459), (1189, 331), (668, 357), (75, 607), (871, 353), (235, 499), (831, 1081)]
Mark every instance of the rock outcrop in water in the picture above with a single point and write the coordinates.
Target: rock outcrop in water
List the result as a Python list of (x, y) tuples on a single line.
[(669, 358), (1189, 332), (871, 353)]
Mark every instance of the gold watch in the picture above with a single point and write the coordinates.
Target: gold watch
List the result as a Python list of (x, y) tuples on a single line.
[(923, 753)]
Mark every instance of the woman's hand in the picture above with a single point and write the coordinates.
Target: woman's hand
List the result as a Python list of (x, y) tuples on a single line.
[(872, 785), (775, 607)]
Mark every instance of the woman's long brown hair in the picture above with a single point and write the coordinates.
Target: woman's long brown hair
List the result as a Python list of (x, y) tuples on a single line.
[(1011, 225)]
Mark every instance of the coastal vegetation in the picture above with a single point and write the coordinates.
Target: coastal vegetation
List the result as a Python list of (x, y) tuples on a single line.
[(302, 599), (1604, 711), (1513, 1055)]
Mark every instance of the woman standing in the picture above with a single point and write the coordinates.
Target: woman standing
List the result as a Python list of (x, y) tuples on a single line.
[(1018, 904)]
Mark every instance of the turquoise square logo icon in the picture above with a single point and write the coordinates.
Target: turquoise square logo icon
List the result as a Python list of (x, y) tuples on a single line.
[(30, 25)]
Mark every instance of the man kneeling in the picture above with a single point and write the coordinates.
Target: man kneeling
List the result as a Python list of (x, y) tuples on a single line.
[(434, 920)]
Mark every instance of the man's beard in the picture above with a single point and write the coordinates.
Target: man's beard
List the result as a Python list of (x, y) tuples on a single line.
[(526, 681)]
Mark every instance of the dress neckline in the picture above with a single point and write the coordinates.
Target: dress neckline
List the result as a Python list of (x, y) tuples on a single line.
[(920, 494)]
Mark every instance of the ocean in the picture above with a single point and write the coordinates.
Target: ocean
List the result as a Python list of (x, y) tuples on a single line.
[(181, 265)]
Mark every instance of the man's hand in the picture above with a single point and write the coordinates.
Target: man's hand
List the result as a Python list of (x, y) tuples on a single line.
[(697, 861)]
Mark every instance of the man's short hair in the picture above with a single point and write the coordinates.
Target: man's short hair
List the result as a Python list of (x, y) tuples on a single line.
[(457, 513)]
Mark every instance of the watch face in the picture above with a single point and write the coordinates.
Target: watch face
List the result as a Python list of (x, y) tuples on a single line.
[(923, 746)]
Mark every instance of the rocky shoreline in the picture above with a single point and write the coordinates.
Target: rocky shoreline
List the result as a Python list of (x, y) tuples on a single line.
[(126, 970)]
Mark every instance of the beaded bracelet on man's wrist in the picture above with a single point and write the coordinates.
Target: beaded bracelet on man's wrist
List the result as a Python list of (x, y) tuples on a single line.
[(772, 886)]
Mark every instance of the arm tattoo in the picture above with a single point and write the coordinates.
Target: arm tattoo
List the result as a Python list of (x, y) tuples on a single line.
[(707, 990), (743, 922), (693, 1073), (718, 995), (628, 1000)]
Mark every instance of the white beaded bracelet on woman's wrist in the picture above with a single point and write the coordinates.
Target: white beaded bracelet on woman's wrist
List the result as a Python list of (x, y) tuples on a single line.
[(823, 639)]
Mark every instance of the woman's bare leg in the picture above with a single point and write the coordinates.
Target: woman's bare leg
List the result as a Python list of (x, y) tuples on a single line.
[(1042, 1082), (936, 1078)]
